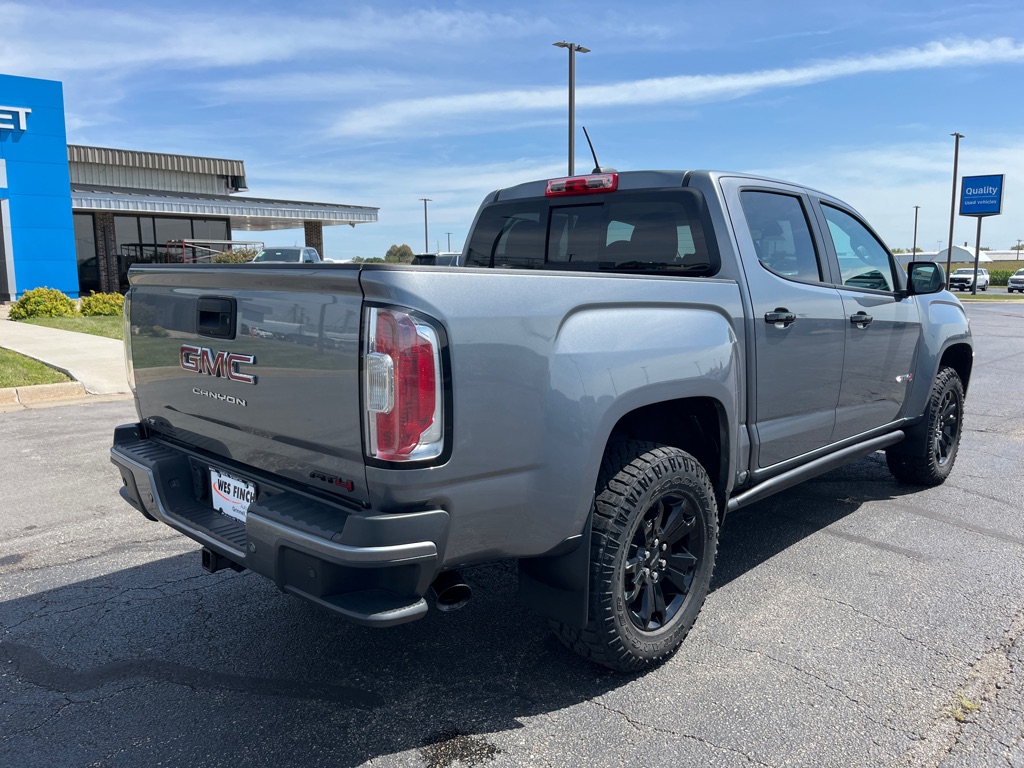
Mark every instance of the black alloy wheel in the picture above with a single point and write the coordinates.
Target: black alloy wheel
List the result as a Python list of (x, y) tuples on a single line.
[(927, 453), (654, 536), (662, 561)]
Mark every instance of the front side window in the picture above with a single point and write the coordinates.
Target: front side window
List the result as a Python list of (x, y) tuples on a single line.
[(863, 261), (782, 237)]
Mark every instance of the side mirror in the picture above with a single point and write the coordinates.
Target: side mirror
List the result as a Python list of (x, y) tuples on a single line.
[(925, 277)]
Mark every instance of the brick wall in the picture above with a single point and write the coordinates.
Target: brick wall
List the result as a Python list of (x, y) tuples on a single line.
[(314, 235), (106, 252)]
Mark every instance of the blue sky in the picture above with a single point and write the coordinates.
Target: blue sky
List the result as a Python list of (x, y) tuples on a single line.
[(383, 104)]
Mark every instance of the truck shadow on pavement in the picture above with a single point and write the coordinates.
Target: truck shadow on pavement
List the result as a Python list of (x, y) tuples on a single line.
[(755, 534), (163, 662)]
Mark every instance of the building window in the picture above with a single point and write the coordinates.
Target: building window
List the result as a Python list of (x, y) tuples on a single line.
[(85, 252)]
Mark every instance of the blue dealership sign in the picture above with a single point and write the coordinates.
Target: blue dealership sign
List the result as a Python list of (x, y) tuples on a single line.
[(37, 236), (981, 195)]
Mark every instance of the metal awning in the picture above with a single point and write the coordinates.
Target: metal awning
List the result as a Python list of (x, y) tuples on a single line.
[(245, 213)]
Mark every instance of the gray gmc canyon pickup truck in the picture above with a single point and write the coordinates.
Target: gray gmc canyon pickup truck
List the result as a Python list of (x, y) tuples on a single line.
[(618, 361)]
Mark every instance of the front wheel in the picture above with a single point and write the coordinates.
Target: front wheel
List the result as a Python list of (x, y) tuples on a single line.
[(927, 454), (653, 545)]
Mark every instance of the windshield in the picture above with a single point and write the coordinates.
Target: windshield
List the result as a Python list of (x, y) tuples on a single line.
[(965, 271), (279, 254), (1019, 273)]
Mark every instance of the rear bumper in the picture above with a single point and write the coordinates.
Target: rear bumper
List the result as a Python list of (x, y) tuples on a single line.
[(369, 567)]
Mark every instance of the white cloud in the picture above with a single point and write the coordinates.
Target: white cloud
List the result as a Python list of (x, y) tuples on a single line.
[(398, 116), (59, 42)]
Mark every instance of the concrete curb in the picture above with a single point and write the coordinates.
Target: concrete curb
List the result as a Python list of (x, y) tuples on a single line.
[(42, 393)]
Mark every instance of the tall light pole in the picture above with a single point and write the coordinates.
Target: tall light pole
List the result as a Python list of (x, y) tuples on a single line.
[(913, 250), (449, 241), (426, 238), (573, 50), (952, 204), (1018, 249)]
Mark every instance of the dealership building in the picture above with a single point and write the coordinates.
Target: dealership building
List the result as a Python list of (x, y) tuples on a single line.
[(75, 218)]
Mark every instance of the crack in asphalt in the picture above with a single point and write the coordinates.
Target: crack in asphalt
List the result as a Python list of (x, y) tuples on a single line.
[(982, 530), (32, 667), (982, 683), (641, 726), (909, 638), (809, 674)]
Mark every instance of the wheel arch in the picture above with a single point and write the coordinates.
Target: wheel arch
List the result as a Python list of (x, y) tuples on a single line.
[(959, 357), (557, 585)]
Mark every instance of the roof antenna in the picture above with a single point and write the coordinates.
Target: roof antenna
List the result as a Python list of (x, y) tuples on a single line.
[(597, 165)]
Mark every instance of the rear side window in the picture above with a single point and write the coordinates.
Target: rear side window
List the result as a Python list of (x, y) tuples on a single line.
[(782, 237), (661, 232)]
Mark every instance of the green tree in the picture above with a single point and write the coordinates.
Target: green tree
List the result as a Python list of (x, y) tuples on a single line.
[(899, 250), (370, 260), (399, 254)]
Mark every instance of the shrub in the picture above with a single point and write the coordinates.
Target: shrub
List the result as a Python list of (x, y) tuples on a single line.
[(111, 304), (999, 276), (235, 256), (43, 302)]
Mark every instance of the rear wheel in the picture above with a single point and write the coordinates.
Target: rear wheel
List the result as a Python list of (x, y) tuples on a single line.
[(927, 454), (653, 545)]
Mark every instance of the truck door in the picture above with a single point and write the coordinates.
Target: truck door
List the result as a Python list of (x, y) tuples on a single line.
[(798, 322), (882, 329)]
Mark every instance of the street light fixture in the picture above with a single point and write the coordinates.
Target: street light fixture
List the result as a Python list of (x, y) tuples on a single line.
[(952, 204), (426, 239), (573, 50)]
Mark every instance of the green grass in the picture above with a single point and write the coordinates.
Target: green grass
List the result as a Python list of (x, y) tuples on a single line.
[(988, 296), (20, 371), (97, 326)]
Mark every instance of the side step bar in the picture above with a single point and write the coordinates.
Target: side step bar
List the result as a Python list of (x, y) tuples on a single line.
[(811, 469)]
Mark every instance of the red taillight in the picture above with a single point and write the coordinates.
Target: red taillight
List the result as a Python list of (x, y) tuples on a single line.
[(582, 185), (403, 387)]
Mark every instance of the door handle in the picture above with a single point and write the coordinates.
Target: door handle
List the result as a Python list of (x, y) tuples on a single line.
[(215, 317), (780, 317), (861, 319)]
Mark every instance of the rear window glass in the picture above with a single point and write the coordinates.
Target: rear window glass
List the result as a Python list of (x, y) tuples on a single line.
[(650, 231), (279, 254)]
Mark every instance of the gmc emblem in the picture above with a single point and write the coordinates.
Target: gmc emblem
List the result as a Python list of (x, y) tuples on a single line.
[(223, 365)]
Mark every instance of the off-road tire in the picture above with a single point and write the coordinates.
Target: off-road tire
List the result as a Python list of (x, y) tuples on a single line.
[(927, 454), (653, 543)]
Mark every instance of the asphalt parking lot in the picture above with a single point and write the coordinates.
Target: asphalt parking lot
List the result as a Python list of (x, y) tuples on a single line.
[(852, 622)]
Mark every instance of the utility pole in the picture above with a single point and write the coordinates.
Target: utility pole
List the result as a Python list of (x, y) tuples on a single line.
[(573, 50), (449, 241), (426, 238), (952, 204), (913, 250)]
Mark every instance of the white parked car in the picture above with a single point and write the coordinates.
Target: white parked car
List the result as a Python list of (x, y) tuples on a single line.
[(963, 279)]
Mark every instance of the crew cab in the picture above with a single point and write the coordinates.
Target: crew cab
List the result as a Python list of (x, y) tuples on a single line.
[(962, 279), (1015, 282), (618, 361)]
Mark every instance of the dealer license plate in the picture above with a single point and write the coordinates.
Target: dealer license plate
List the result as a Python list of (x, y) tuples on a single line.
[(231, 495)]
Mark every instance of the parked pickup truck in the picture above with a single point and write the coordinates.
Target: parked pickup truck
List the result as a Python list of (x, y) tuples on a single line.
[(963, 279), (619, 361)]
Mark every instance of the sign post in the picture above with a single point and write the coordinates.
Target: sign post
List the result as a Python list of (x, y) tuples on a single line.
[(980, 196)]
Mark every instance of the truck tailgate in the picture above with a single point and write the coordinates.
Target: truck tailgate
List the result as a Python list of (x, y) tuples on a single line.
[(254, 364)]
